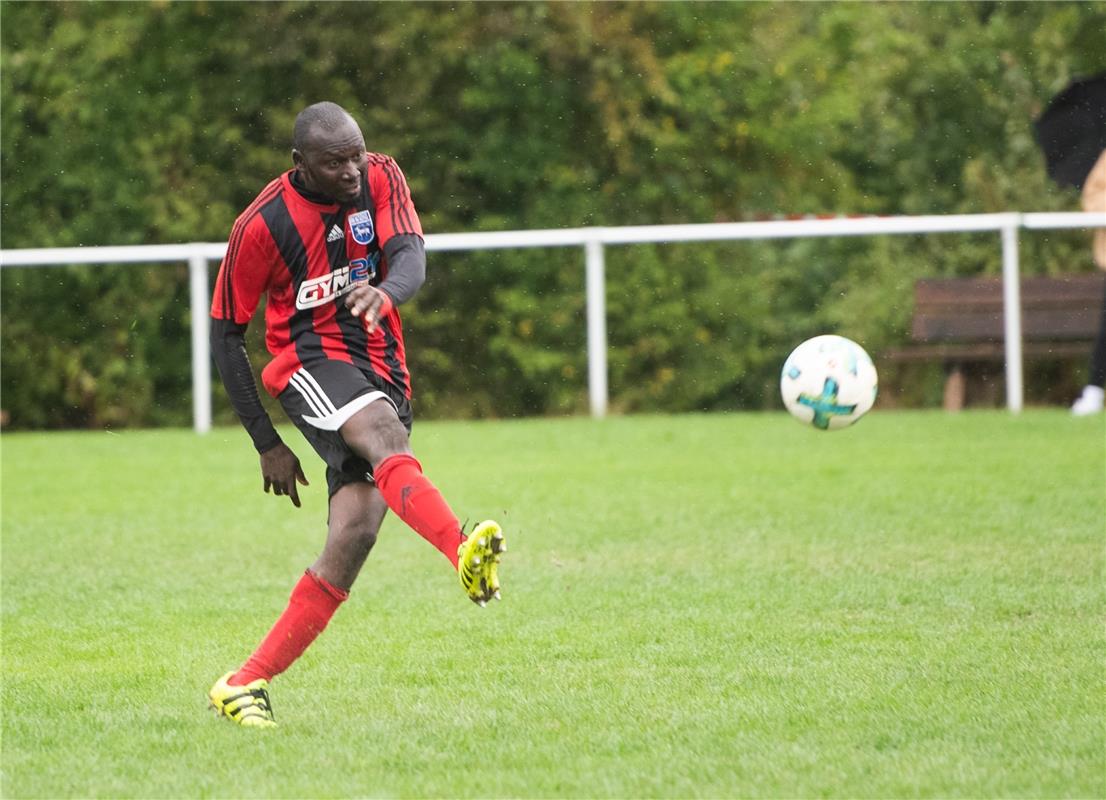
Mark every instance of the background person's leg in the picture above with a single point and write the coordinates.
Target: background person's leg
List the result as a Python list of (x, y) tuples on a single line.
[(1091, 401)]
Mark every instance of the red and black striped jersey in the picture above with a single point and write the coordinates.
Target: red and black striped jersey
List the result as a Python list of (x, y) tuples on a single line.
[(305, 257)]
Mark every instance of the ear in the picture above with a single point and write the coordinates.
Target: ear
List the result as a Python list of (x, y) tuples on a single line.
[(297, 158)]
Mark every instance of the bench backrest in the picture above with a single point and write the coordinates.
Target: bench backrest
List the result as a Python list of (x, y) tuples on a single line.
[(1063, 307)]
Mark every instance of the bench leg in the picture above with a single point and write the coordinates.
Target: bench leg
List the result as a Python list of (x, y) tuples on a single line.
[(954, 389)]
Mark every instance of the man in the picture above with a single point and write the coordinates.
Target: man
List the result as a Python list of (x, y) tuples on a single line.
[(336, 245)]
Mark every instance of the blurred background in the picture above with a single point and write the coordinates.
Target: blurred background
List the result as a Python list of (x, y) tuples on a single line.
[(158, 122)]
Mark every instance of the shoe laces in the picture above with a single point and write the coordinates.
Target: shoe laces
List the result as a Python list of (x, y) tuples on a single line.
[(261, 700)]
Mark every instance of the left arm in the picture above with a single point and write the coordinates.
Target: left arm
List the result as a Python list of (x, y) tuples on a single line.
[(400, 233), (406, 256)]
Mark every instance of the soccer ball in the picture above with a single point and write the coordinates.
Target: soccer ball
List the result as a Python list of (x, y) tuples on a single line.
[(828, 382)]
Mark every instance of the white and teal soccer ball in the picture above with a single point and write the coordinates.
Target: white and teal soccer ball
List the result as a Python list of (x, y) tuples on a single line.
[(828, 382)]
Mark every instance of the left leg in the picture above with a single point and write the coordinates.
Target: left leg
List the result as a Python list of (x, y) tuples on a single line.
[(376, 434), (359, 424)]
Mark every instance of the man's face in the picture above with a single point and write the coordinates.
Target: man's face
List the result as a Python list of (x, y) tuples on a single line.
[(332, 162)]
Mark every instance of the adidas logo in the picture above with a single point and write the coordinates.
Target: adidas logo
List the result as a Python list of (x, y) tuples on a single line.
[(335, 234)]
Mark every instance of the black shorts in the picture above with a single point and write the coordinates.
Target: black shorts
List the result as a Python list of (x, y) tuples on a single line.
[(321, 396)]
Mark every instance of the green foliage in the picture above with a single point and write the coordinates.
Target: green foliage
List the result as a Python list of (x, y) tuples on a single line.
[(158, 122)]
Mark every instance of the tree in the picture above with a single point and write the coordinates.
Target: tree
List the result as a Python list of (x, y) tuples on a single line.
[(159, 122)]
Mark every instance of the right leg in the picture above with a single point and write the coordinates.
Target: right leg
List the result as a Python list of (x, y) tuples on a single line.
[(356, 511), (243, 695)]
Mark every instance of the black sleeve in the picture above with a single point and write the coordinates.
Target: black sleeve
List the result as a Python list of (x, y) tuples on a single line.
[(228, 347), (406, 256)]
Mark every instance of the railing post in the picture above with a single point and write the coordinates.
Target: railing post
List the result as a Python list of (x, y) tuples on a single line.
[(597, 327), (201, 348), (1012, 314)]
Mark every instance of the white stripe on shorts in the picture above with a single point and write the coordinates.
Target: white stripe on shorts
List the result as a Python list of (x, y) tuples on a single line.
[(308, 385), (333, 422), (319, 402)]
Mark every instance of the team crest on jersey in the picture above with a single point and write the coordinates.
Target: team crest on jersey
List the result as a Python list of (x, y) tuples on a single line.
[(361, 226)]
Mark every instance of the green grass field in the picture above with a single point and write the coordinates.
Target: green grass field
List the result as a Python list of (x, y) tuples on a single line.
[(694, 606)]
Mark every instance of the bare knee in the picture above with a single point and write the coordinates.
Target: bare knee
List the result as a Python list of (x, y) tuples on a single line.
[(356, 511), (348, 544), (375, 432)]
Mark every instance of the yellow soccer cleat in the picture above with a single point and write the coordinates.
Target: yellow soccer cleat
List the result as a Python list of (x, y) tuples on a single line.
[(247, 705), (478, 562)]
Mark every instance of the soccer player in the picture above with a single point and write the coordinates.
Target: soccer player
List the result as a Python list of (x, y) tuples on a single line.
[(336, 245)]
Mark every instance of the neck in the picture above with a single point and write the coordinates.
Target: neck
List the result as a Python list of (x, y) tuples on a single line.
[(309, 194)]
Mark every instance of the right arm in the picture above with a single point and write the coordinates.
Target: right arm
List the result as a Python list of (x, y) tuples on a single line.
[(238, 289), (228, 348)]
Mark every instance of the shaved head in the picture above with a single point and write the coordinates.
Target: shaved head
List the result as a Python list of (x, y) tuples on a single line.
[(325, 115), (329, 152)]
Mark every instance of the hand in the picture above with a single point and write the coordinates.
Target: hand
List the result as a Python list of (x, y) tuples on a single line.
[(369, 303), (281, 469)]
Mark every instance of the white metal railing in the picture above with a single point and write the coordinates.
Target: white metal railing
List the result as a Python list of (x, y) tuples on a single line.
[(593, 241)]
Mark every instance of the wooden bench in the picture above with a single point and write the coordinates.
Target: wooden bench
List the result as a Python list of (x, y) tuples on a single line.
[(959, 322)]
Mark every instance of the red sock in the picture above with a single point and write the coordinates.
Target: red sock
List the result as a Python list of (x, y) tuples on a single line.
[(312, 604), (417, 501)]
